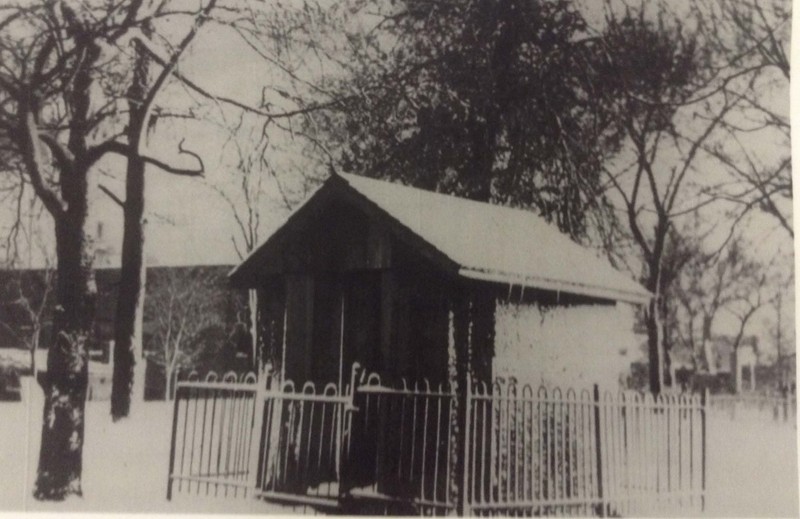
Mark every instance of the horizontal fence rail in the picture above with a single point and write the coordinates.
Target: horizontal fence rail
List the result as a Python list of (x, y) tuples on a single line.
[(212, 435), (550, 452)]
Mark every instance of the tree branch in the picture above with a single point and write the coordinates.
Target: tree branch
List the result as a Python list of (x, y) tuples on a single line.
[(112, 196), (125, 150)]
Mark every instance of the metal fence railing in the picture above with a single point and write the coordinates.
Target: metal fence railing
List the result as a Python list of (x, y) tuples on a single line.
[(212, 435), (548, 452), (404, 440), (302, 433), (412, 448)]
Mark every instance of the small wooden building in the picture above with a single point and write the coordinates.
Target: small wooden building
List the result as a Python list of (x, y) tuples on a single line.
[(415, 284)]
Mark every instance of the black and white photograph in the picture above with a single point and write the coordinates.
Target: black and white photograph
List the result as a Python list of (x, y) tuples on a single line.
[(397, 257)]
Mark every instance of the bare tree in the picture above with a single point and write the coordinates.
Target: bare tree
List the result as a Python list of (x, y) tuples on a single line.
[(755, 35), (183, 303), (27, 298), (58, 107), (250, 195), (669, 106), (711, 284), (141, 97)]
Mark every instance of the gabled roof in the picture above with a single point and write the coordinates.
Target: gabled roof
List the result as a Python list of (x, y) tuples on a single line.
[(485, 241)]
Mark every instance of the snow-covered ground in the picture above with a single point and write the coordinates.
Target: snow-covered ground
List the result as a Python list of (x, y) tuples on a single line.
[(752, 465), (125, 463)]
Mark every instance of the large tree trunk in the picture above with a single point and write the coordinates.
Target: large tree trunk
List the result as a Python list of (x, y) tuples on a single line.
[(133, 272), (60, 457)]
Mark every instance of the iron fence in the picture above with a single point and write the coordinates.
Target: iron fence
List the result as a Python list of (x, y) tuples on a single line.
[(549, 452), (404, 440), (493, 449), (212, 435), (652, 453), (302, 437)]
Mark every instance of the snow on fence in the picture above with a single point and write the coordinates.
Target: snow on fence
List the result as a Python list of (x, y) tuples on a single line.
[(549, 452), (498, 449)]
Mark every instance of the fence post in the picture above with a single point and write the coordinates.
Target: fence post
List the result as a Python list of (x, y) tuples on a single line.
[(703, 419), (345, 431), (464, 499), (257, 424), (598, 453), (173, 439)]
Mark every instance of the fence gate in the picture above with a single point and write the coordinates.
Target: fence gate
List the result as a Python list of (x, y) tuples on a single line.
[(394, 449), (405, 448), (302, 434)]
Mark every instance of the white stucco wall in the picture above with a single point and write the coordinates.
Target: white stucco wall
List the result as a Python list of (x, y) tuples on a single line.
[(565, 346)]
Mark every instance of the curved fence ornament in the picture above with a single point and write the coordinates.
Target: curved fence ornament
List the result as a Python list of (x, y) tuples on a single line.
[(507, 447), (330, 389), (373, 379), (527, 391)]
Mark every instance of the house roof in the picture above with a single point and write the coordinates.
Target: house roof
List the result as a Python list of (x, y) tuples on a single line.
[(488, 242)]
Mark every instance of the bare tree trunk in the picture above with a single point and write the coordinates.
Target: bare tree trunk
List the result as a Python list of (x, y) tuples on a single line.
[(34, 347), (133, 272), (707, 353), (655, 355), (60, 457), (168, 383), (130, 302), (252, 306), (655, 339)]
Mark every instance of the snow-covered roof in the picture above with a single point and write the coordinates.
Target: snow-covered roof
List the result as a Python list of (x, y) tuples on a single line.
[(495, 243)]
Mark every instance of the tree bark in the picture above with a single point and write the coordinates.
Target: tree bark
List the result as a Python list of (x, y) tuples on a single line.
[(707, 353), (133, 272), (167, 384), (65, 384), (126, 385), (252, 306), (655, 342)]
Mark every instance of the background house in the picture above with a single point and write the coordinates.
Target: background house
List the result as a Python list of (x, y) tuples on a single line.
[(416, 284)]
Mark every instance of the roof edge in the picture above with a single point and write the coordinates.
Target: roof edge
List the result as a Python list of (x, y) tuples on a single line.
[(625, 296)]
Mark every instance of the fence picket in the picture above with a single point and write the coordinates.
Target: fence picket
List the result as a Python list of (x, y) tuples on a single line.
[(525, 452)]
